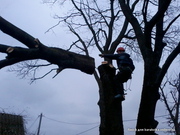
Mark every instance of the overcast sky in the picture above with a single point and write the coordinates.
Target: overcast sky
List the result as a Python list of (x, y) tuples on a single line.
[(69, 101)]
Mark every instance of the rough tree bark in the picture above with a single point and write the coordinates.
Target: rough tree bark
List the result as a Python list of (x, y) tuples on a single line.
[(110, 108), (36, 50)]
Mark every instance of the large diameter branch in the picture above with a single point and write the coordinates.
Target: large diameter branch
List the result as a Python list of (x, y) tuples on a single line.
[(60, 57), (17, 54), (167, 63), (17, 33), (65, 59)]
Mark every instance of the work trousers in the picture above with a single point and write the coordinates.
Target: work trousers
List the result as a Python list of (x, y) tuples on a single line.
[(122, 76)]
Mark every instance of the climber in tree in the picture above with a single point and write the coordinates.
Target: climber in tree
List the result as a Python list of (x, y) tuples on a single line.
[(125, 66)]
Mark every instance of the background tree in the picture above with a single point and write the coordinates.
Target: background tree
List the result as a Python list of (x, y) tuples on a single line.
[(170, 95), (152, 34), (153, 37)]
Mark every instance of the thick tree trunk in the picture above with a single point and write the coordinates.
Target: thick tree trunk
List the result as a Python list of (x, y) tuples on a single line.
[(110, 108), (146, 123)]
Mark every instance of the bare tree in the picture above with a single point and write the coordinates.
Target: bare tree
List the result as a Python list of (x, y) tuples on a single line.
[(102, 26), (148, 28), (153, 39), (171, 99)]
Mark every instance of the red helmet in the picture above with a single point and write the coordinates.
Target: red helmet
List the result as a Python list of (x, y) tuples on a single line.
[(120, 49)]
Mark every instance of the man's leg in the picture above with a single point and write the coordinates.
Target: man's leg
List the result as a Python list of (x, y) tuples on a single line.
[(118, 86)]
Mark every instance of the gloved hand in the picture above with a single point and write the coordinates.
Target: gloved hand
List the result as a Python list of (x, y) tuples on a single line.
[(101, 55)]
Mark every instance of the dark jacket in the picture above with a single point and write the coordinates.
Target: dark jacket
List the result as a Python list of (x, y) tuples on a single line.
[(122, 59)]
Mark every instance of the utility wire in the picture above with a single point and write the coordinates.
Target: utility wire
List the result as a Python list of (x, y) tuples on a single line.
[(87, 130), (129, 120), (70, 123), (33, 123), (123, 121), (136, 119), (85, 123)]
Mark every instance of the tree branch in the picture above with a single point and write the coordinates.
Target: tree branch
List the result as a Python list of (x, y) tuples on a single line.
[(64, 59), (170, 24), (135, 24), (17, 33), (166, 104), (167, 63), (34, 79), (88, 24), (162, 9)]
